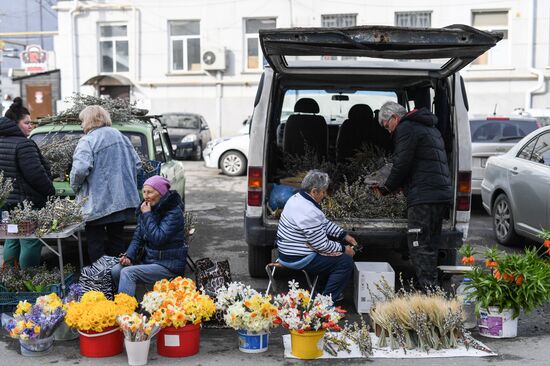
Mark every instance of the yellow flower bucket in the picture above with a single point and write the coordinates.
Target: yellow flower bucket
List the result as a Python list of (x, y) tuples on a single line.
[(307, 345)]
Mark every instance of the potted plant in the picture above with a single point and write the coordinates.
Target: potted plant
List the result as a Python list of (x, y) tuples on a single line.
[(34, 324), (138, 332), (180, 309), (307, 319), (248, 312), (505, 285), (95, 318)]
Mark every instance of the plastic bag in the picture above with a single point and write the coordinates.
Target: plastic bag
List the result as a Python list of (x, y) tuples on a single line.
[(212, 276), (279, 195)]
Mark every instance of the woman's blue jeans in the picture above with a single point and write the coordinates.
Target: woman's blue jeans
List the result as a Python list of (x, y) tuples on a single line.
[(126, 277)]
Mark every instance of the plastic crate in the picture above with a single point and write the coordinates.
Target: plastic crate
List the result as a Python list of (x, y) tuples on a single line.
[(9, 300), (142, 176)]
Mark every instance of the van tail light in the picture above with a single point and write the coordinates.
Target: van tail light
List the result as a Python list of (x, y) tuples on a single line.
[(464, 191), (255, 176)]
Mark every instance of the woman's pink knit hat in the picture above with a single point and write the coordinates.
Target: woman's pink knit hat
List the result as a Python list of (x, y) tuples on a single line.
[(159, 184)]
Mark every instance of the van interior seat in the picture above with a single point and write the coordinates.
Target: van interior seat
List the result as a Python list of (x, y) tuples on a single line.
[(305, 128)]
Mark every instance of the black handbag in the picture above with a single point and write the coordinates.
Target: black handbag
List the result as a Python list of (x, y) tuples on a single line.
[(211, 276)]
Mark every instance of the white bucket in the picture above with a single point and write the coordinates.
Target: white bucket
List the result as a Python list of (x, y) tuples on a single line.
[(137, 352), (253, 342), (494, 324)]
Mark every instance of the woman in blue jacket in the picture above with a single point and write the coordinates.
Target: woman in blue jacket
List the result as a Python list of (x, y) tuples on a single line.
[(159, 236)]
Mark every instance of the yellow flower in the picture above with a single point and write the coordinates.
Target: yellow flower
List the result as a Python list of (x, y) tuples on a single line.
[(23, 307), (93, 296)]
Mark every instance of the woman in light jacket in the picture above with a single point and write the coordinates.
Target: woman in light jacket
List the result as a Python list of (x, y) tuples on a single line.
[(159, 236), (104, 175)]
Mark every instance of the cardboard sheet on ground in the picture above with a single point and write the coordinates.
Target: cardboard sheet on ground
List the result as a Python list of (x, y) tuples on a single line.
[(398, 353)]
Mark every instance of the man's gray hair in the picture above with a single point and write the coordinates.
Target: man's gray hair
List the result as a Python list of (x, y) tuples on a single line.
[(389, 109), (315, 179)]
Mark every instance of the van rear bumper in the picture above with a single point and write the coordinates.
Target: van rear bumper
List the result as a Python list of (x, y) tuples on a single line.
[(257, 234)]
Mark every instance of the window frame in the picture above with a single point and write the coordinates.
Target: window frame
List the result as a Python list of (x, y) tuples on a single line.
[(184, 39), (415, 12), (113, 40), (246, 37), (488, 65)]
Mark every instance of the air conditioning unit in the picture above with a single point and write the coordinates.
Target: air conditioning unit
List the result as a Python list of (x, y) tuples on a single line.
[(213, 58)]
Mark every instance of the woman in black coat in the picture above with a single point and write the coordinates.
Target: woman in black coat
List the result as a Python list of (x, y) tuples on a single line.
[(20, 159)]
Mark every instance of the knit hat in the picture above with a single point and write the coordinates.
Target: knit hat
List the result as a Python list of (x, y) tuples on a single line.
[(159, 184)]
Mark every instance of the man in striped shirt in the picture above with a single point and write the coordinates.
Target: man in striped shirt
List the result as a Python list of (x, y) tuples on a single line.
[(306, 236)]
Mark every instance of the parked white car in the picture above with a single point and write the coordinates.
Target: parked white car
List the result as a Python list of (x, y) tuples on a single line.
[(515, 190), (230, 154), (494, 136)]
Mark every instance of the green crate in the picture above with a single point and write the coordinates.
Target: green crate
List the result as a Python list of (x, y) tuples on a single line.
[(9, 300)]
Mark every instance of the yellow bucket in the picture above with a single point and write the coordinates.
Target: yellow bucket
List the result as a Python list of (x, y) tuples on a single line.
[(307, 345)]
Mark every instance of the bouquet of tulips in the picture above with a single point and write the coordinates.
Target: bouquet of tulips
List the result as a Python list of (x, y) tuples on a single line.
[(137, 328)]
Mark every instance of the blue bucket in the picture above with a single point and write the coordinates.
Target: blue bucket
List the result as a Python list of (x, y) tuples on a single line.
[(252, 342)]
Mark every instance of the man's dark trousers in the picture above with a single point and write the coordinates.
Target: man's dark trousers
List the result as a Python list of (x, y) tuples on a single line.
[(424, 224)]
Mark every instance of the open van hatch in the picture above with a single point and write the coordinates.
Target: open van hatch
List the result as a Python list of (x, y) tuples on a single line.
[(368, 49)]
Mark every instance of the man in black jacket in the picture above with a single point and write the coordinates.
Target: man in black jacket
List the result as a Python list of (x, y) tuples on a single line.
[(420, 168)]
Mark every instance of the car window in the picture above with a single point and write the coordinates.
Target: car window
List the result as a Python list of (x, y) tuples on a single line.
[(41, 138), (138, 140), (204, 125), (182, 121), (541, 152), (334, 105), (527, 150), (159, 151), (500, 130)]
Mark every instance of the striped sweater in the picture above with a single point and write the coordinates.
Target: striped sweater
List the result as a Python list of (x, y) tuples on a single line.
[(304, 228)]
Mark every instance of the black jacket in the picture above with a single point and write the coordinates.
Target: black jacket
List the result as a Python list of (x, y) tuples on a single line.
[(419, 160), (21, 160)]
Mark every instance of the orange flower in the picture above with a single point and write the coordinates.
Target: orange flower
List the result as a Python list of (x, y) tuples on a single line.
[(468, 260), (497, 275), (547, 243), (508, 277), (490, 263), (519, 280)]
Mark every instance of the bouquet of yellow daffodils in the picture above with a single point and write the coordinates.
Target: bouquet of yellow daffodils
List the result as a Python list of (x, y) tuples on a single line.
[(95, 313), (137, 328), (245, 308), (177, 303)]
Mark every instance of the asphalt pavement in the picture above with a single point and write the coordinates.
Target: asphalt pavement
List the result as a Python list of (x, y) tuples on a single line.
[(218, 202)]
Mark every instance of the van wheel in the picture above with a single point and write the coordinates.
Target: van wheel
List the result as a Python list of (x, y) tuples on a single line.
[(503, 221), (233, 163), (258, 258)]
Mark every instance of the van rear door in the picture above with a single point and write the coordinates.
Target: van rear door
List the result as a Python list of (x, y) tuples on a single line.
[(346, 50)]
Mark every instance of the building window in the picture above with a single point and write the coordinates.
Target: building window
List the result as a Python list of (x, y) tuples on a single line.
[(339, 20), (252, 50), (113, 48), (413, 19), (497, 21), (185, 45)]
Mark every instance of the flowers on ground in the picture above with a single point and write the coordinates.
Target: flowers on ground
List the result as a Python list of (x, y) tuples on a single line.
[(39, 320), (177, 303), (511, 281), (137, 328), (245, 308), (95, 313), (298, 311)]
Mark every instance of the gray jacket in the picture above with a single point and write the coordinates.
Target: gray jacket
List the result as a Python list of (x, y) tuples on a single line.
[(104, 173)]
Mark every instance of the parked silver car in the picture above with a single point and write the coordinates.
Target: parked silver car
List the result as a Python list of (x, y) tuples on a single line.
[(494, 136), (516, 189)]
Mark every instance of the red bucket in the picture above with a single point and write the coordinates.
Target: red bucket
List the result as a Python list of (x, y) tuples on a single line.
[(179, 342), (101, 344)]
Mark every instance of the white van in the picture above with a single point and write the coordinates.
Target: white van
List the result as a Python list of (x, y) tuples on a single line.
[(316, 75)]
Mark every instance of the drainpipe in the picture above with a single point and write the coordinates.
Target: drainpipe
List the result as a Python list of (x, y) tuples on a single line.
[(540, 88), (219, 96), (73, 13)]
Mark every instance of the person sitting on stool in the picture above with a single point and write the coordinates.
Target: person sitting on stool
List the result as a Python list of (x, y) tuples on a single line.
[(307, 240), (160, 233)]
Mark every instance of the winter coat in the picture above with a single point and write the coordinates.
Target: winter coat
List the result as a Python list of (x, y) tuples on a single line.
[(161, 233), (104, 173), (21, 160), (419, 160)]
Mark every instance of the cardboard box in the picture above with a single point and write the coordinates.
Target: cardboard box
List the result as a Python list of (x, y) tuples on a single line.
[(367, 275)]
